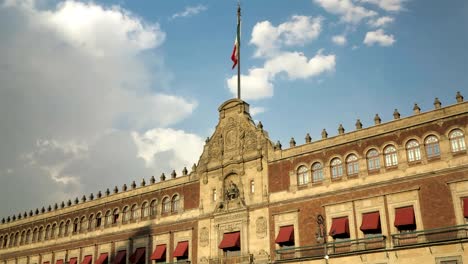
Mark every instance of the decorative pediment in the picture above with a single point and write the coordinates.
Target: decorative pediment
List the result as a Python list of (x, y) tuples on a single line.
[(235, 139)]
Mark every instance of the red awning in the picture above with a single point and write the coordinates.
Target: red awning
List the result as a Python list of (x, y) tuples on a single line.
[(59, 261), (465, 207), (181, 249), (370, 221), (159, 252), (285, 234), (137, 255), (87, 259), (340, 227), (73, 261), (46, 262), (230, 240), (404, 216), (102, 258), (120, 257)]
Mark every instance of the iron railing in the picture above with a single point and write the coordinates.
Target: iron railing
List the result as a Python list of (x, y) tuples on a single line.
[(428, 236), (401, 240), (243, 259), (332, 248)]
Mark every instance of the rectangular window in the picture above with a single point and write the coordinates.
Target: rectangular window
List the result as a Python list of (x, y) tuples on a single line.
[(214, 195), (252, 186)]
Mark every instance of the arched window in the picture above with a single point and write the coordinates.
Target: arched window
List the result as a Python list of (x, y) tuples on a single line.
[(91, 222), (336, 168), (115, 218), (126, 214), (153, 208), (373, 160), (302, 175), (390, 154), (61, 229), (12, 240), (134, 213), (75, 225), (352, 167), (40, 234), (166, 205), (98, 220), (66, 230), (47, 233), (53, 229), (83, 224), (432, 146), (413, 151), (23, 238), (34, 235), (317, 172), (108, 218), (27, 239), (144, 209), (175, 203), (457, 140), (17, 238), (5, 241)]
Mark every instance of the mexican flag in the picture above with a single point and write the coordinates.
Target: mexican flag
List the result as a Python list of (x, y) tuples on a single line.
[(235, 51)]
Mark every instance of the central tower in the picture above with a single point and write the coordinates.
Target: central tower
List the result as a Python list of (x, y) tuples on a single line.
[(233, 187)]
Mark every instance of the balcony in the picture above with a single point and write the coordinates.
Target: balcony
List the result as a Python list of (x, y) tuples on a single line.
[(332, 248), (244, 259), (430, 236), (423, 238)]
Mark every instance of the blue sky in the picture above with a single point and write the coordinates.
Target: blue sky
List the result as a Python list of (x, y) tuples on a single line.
[(428, 59), (97, 94)]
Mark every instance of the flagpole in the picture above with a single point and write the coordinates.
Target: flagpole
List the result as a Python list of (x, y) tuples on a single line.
[(238, 52)]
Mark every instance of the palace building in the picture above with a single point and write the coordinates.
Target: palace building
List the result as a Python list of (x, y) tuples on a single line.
[(393, 192)]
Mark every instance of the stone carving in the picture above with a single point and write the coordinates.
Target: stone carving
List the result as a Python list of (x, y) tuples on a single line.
[(204, 237), (204, 260), (232, 192), (231, 139), (261, 227), (250, 141)]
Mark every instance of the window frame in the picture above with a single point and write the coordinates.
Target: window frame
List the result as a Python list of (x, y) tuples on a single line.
[(336, 168), (457, 142), (413, 151), (302, 173), (373, 160), (317, 172), (390, 156), (432, 147), (352, 166)]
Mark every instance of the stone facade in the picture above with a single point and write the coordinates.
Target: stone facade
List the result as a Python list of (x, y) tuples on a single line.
[(249, 191)]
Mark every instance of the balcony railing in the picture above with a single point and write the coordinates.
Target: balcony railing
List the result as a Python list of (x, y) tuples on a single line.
[(244, 259), (428, 236), (409, 239), (332, 248)]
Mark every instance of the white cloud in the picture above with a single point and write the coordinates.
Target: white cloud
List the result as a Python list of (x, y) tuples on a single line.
[(186, 147), (258, 83), (271, 42), (297, 66), (339, 40), (346, 9), (381, 21), (298, 31), (80, 89), (387, 5), (378, 37), (256, 110), (190, 11), (117, 29), (255, 85)]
